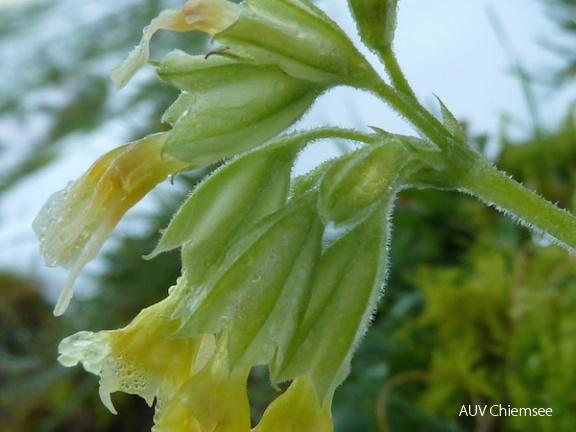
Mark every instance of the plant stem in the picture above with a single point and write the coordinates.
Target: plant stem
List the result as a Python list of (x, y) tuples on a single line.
[(478, 176), (414, 113), (395, 73), (497, 189), (339, 133)]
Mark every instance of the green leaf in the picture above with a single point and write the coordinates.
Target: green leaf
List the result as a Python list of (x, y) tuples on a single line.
[(451, 122)]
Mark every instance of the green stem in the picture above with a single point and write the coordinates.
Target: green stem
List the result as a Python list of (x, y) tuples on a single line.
[(476, 175), (497, 189), (395, 73), (414, 113), (338, 133)]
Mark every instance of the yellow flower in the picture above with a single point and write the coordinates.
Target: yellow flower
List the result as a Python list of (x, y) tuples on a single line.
[(209, 16), (297, 410), (74, 223), (213, 400), (142, 358), (189, 377)]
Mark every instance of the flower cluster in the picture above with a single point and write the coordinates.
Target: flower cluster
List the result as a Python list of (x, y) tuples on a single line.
[(264, 278), (276, 270)]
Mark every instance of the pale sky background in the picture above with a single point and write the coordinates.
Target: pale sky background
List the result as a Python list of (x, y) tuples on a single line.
[(447, 48)]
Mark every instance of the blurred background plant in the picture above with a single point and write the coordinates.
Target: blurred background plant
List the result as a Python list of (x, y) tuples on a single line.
[(477, 310)]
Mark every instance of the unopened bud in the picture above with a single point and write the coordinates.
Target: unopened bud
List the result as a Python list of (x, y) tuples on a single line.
[(360, 179), (376, 21)]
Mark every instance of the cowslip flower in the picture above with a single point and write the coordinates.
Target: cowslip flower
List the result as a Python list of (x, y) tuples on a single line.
[(74, 222), (143, 358), (189, 378)]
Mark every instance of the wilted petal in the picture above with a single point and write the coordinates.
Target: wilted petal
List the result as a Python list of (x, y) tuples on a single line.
[(74, 223), (209, 16)]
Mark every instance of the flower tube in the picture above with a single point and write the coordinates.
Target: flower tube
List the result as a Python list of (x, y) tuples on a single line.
[(213, 400), (297, 410)]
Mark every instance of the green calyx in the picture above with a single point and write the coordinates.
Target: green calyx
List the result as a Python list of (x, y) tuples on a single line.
[(261, 279), (337, 316), (238, 194), (376, 22), (228, 107), (297, 37)]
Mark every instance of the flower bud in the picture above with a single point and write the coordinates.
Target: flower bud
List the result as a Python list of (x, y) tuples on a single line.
[(360, 179), (292, 34), (376, 21), (229, 107)]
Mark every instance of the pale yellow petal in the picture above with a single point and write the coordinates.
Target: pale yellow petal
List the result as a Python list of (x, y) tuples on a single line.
[(209, 16), (297, 410)]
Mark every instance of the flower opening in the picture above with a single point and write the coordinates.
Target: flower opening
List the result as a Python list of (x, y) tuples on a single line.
[(143, 358)]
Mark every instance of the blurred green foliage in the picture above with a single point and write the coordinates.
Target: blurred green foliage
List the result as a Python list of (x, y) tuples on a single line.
[(563, 12), (477, 310)]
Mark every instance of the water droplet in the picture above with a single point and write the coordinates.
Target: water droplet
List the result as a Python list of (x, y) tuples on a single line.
[(542, 240)]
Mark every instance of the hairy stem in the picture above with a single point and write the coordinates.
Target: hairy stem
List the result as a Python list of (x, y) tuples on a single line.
[(478, 176), (395, 73), (497, 189)]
